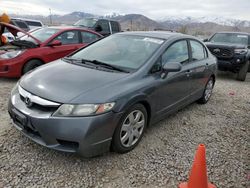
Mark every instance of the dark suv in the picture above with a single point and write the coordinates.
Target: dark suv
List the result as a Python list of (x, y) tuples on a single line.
[(103, 26), (232, 50)]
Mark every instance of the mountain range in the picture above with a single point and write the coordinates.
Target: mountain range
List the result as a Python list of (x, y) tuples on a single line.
[(205, 25)]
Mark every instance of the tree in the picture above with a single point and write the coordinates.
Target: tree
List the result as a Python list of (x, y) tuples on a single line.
[(183, 29)]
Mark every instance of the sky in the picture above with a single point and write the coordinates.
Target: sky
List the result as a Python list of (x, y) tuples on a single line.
[(155, 9)]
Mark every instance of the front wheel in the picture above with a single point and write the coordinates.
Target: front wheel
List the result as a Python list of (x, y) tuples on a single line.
[(207, 92), (130, 130), (32, 64), (242, 74)]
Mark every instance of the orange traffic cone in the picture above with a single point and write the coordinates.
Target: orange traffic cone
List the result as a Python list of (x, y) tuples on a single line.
[(198, 174)]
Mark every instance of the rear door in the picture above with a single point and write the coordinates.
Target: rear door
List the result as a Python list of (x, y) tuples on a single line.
[(198, 66), (71, 41)]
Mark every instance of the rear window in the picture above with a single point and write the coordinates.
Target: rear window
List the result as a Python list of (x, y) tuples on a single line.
[(34, 23), (115, 26), (21, 24)]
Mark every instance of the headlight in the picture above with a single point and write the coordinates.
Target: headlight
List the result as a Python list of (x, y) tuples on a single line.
[(83, 109), (240, 51), (12, 54)]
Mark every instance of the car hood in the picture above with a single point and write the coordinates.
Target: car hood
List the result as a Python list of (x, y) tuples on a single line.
[(226, 45), (15, 30), (62, 82)]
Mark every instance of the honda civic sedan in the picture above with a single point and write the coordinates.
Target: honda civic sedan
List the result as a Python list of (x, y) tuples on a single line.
[(39, 47), (105, 95)]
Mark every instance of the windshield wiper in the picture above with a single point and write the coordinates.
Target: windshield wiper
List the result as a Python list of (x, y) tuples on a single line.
[(23, 43), (106, 65), (71, 59)]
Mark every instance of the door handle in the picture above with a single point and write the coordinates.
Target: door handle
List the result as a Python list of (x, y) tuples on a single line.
[(188, 72)]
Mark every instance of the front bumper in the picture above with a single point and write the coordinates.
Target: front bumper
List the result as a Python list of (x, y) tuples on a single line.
[(87, 136), (11, 68), (233, 64)]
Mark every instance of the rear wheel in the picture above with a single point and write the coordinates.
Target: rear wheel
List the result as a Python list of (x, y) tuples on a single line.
[(207, 92), (31, 65), (130, 130), (241, 76)]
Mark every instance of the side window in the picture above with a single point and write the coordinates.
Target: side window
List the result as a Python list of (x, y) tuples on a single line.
[(105, 25), (68, 37), (177, 52), (33, 23), (114, 26), (22, 25), (88, 37), (198, 50)]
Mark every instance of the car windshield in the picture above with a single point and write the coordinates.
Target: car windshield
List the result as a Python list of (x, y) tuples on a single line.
[(234, 38), (41, 34), (86, 22), (128, 52)]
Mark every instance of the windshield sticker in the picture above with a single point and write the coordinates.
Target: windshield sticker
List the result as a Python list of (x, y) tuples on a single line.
[(158, 41), (242, 36)]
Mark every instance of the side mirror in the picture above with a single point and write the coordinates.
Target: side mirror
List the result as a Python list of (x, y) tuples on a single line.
[(170, 67), (55, 43), (98, 28), (205, 40)]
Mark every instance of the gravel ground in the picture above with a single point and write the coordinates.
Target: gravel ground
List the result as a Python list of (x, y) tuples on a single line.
[(162, 159)]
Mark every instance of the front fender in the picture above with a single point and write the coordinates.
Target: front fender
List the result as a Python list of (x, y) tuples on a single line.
[(125, 103)]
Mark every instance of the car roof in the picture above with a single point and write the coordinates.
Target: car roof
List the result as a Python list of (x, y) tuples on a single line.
[(26, 19), (245, 33), (155, 34), (108, 19), (72, 28), (66, 27)]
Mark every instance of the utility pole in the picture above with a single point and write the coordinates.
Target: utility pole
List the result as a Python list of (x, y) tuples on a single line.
[(131, 25), (50, 16)]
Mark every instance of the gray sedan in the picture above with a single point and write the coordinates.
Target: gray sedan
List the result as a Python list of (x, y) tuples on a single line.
[(103, 97)]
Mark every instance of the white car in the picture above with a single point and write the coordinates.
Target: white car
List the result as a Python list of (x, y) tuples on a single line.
[(27, 25)]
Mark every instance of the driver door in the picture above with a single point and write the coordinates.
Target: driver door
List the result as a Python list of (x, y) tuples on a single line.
[(174, 90), (70, 41)]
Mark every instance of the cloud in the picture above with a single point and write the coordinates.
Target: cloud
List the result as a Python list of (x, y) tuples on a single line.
[(156, 9)]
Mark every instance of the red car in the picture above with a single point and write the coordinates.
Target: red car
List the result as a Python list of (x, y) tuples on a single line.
[(39, 47)]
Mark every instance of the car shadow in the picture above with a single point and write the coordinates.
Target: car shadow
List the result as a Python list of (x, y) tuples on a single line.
[(223, 75), (8, 80)]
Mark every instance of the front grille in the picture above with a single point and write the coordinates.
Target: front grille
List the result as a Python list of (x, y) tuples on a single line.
[(40, 107), (221, 52)]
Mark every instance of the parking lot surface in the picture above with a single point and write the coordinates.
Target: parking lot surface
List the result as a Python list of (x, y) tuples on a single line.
[(162, 159)]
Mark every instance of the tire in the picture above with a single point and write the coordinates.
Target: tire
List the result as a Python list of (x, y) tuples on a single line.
[(31, 65), (207, 91), (241, 76), (125, 137)]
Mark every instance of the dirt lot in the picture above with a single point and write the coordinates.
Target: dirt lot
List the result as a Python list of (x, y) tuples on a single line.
[(162, 159)]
